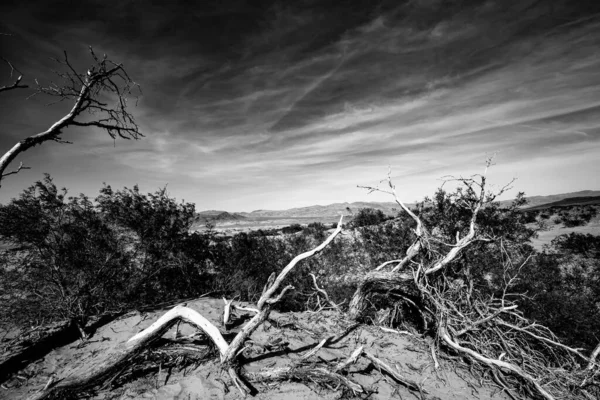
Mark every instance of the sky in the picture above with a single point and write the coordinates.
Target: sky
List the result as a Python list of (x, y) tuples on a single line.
[(251, 105)]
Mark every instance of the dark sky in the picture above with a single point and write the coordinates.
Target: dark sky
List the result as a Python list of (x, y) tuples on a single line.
[(274, 104)]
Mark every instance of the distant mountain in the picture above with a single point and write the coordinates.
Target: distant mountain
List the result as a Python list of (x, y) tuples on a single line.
[(323, 211), (225, 216), (209, 213), (389, 208), (573, 201), (535, 201), (217, 216)]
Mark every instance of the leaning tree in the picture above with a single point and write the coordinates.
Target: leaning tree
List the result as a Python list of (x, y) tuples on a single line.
[(98, 98)]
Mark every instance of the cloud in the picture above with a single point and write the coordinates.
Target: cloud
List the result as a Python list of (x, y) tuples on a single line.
[(301, 102)]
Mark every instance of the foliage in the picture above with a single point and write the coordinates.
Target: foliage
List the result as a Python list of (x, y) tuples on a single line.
[(292, 229), (156, 229), (576, 216), (368, 217), (574, 243), (72, 263), (563, 288), (75, 258), (316, 230), (458, 283), (386, 241)]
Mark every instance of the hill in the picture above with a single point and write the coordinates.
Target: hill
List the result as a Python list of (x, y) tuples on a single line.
[(567, 202), (215, 217), (388, 208), (535, 201)]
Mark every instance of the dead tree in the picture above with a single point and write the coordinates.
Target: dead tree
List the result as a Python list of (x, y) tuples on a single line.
[(520, 355), (273, 292), (98, 97), (16, 81)]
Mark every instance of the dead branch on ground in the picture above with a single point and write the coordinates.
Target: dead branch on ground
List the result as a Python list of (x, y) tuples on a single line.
[(229, 352)]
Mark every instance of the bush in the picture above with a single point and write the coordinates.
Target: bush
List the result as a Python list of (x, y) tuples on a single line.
[(294, 228), (563, 288), (577, 216), (74, 259), (316, 230), (155, 227), (72, 263), (368, 217)]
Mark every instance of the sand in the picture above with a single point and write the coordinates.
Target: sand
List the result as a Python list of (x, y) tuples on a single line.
[(279, 342)]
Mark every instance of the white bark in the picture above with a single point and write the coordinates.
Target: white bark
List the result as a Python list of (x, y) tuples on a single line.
[(190, 316), (495, 363)]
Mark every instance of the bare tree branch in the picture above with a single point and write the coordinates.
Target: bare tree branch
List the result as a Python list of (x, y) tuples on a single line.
[(17, 83), (15, 171), (104, 79), (228, 352)]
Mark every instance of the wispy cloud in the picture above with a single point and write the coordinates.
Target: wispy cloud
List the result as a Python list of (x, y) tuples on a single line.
[(281, 106)]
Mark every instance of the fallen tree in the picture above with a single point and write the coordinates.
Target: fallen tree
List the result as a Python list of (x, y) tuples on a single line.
[(228, 352), (485, 328)]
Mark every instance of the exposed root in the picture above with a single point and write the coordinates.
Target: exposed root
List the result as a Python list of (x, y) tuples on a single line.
[(495, 364), (329, 340), (115, 363), (350, 360), (324, 293), (305, 373), (409, 383), (485, 327), (383, 283)]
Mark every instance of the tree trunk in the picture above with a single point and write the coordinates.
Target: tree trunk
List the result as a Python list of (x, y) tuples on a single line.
[(380, 282)]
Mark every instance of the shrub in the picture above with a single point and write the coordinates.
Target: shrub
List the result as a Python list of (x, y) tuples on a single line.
[(577, 216), (155, 228), (563, 288), (368, 217), (316, 230), (294, 228), (74, 259), (73, 264)]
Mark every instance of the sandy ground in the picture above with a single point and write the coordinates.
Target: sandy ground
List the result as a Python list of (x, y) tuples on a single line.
[(545, 237), (408, 353)]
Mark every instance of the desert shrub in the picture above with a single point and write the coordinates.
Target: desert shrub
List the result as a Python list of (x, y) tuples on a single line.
[(577, 216), (155, 228), (562, 286), (586, 245), (264, 232), (71, 265), (246, 264), (530, 216), (72, 258), (248, 260), (368, 217), (294, 228), (503, 230), (386, 241), (316, 230)]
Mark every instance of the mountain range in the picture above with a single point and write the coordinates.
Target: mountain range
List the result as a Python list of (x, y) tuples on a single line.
[(331, 210)]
